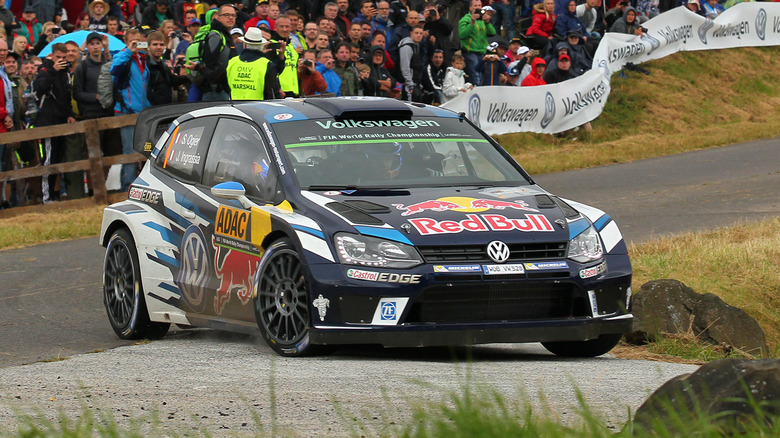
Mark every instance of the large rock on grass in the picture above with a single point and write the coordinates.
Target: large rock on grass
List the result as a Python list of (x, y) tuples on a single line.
[(671, 307), (730, 394)]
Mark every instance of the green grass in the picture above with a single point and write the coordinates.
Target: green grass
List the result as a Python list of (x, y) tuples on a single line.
[(737, 263)]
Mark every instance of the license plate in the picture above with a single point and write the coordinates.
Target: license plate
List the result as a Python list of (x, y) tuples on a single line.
[(503, 269)]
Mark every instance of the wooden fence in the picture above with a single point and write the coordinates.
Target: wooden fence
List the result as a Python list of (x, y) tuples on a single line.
[(95, 162)]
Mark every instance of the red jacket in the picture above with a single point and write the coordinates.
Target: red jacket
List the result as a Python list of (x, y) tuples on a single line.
[(542, 24), (534, 78)]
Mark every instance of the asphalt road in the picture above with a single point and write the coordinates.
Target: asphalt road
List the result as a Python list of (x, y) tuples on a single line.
[(50, 307)]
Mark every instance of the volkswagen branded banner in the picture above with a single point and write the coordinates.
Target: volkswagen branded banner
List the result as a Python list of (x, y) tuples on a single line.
[(558, 107)]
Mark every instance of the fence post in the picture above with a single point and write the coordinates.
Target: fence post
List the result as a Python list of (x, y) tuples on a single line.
[(96, 174)]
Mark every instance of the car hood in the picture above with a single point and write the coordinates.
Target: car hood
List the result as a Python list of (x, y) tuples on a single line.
[(452, 216)]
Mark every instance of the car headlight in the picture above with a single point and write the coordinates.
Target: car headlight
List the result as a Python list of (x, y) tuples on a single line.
[(586, 247), (355, 249)]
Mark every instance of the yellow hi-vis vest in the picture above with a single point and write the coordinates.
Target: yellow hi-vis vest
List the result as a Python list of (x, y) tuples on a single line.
[(288, 78), (247, 79)]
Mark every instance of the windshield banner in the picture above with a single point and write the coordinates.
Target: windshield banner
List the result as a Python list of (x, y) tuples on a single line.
[(566, 105)]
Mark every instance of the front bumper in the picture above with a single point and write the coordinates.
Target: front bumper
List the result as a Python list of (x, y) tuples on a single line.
[(428, 335)]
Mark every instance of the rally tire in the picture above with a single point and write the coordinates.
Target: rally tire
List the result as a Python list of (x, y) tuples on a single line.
[(123, 294), (282, 305), (592, 348)]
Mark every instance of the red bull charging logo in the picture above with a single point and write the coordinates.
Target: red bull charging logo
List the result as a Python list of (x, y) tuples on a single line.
[(462, 204), (236, 272)]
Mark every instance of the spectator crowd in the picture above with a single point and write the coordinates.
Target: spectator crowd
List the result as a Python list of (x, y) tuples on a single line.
[(59, 62)]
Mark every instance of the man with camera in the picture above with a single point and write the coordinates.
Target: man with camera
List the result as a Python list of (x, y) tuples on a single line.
[(437, 29), (310, 79), (53, 93), (473, 30)]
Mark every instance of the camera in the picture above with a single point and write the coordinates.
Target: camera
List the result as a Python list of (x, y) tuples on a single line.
[(175, 33), (432, 13), (56, 30), (180, 62), (307, 62), (142, 45), (68, 65), (644, 29)]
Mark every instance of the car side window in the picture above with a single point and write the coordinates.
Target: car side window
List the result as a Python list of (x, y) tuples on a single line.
[(237, 153), (185, 151)]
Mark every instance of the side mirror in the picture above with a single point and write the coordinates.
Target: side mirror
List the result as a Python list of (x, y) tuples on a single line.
[(231, 190)]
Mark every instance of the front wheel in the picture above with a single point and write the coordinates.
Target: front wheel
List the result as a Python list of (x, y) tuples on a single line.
[(592, 348), (282, 303), (123, 293)]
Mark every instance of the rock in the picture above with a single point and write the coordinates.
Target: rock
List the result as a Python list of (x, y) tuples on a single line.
[(716, 392), (669, 306)]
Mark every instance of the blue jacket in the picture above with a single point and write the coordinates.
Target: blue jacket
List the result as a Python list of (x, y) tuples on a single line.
[(134, 96), (568, 21), (331, 78)]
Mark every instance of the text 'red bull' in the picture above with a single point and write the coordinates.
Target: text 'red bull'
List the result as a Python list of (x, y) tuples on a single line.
[(484, 222)]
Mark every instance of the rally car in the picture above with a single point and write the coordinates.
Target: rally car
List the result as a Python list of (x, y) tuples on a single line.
[(354, 221)]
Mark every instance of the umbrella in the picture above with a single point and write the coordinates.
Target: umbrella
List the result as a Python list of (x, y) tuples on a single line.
[(78, 37)]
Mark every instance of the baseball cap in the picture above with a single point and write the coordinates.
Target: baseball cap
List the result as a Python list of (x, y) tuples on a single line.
[(236, 30), (94, 36), (487, 9), (194, 21), (522, 50), (564, 57), (144, 29), (29, 9)]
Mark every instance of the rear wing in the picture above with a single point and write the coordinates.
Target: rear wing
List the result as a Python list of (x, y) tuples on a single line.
[(154, 121)]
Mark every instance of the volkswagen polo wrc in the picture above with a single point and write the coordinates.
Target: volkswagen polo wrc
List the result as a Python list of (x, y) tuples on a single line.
[(321, 222)]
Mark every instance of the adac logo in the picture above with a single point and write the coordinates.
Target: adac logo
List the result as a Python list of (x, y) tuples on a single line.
[(703, 29), (232, 222), (761, 24), (549, 110), (462, 204), (475, 104), (654, 43)]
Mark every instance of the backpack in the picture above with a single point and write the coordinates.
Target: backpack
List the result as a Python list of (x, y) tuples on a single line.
[(110, 86), (194, 52)]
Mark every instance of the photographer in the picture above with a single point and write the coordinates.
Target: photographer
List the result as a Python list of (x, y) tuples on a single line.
[(310, 79), (53, 93), (438, 29), (50, 32), (473, 30)]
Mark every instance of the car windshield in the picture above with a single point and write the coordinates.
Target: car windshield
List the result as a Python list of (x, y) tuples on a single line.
[(328, 154)]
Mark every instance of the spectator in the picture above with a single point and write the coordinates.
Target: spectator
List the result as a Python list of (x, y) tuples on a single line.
[(378, 39), (113, 28), (7, 20), (288, 77), (98, 20), (561, 72), (252, 75), (29, 27), (615, 14), (344, 17), (6, 94), (155, 13), (129, 12), (322, 42), (159, 88), (261, 13), (505, 17), (355, 36), (296, 37), (273, 14), (236, 33), (21, 49), (398, 11), (310, 32), (331, 12), (473, 30), (438, 30), (83, 21), (523, 64), (712, 9), (350, 79), (325, 64), (53, 92), (74, 55), (581, 61), (492, 69), (367, 11), (411, 63), (310, 79), (536, 76), (217, 51), (589, 15), (455, 80), (433, 79), (627, 23), (568, 21), (400, 32), (381, 20), (694, 6), (379, 82), (648, 9), (131, 77), (193, 26), (540, 33)]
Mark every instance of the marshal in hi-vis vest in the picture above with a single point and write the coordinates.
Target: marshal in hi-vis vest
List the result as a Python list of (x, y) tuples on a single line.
[(247, 79), (288, 78)]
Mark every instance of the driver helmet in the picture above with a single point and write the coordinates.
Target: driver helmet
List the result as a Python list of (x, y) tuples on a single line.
[(389, 153)]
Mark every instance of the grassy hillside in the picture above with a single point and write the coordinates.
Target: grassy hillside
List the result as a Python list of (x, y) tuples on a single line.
[(691, 100)]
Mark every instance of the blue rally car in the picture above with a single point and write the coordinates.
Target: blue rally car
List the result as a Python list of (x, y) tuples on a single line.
[(354, 221)]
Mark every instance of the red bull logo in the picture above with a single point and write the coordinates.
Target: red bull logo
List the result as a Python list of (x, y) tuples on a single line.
[(236, 273), (462, 204), (483, 222)]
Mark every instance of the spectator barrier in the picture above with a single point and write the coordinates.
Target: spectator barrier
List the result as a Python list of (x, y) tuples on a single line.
[(566, 105), (95, 162)]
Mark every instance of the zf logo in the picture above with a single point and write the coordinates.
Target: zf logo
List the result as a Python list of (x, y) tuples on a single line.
[(388, 312)]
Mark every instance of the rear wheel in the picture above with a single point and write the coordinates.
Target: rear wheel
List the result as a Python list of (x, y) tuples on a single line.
[(592, 348), (123, 293), (282, 303)]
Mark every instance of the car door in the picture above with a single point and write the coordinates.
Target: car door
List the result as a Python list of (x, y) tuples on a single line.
[(237, 153)]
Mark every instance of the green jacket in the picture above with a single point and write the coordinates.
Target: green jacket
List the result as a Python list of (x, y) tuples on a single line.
[(474, 37)]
